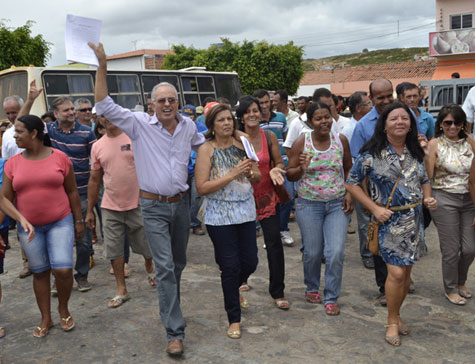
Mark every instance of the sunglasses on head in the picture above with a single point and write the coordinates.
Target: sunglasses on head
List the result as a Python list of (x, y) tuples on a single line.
[(450, 122), (86, 109)]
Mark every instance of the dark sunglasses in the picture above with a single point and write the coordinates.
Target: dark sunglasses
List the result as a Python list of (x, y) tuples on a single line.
[(449, 123), (86, 109)]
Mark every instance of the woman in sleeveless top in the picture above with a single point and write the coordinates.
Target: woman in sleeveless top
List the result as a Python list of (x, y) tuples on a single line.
[(224, 177), (391, 160), (267, 202), (321, 160), (451, 155)]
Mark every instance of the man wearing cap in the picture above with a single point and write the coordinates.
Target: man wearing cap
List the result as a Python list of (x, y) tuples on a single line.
[(162, 144), (195, 199)]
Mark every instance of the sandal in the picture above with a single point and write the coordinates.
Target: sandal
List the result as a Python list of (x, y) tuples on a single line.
[(332, 309), (393, 340), (313, 297), (41, 332), (118, 300), (244, 287), (456, 300), (67, 324), (243, 302), (282, 303), (465, 292), (152, 279)]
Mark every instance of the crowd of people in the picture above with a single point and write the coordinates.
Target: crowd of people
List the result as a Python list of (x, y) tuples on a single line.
[(146, 178)]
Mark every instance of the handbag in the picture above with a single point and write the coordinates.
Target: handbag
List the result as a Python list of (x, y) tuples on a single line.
[(280, 190), (372, 241)]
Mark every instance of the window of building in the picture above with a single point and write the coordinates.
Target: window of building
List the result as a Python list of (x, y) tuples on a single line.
[(461, 21)]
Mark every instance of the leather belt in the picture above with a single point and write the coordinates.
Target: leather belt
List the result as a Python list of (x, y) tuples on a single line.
[(169, 199)]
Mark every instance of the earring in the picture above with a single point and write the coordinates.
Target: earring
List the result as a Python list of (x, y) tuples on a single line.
[(212, 132)]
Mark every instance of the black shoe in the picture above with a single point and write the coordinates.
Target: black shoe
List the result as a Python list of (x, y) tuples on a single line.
[(368, 263), (382, 300)]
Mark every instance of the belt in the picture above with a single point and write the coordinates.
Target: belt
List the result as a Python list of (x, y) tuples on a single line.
[(169, 199), (406, 207)]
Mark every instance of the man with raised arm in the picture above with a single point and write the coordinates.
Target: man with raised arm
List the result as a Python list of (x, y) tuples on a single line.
[(162, 145)]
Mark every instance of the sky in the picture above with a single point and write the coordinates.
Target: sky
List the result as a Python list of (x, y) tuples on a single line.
[(323, 27)]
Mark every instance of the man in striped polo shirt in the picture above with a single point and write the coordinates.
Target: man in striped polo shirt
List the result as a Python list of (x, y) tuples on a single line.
[(75, 139)]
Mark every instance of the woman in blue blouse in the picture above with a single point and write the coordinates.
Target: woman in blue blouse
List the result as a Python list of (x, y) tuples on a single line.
[(224, 176), (394, 150)]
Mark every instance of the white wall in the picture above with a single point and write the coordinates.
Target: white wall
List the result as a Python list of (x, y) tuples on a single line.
[(131, 63), (307, 90)]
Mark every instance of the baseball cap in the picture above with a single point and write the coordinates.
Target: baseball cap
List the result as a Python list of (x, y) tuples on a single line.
[(188, 110)]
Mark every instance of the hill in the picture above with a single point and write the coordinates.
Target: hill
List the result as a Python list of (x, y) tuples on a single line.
[(394, 55)]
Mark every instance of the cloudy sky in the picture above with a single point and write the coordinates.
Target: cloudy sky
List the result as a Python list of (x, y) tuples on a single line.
[(322, 27)]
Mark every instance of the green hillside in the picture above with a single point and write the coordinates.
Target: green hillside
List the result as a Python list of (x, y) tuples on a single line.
[(394, 55)]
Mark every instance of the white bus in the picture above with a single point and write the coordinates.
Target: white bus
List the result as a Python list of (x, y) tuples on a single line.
[(127, 88)]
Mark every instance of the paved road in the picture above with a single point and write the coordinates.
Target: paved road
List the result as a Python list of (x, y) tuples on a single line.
[(440, 331)]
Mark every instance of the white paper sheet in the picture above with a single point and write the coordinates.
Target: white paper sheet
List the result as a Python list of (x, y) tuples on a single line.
[(250, 152), (79, 31)]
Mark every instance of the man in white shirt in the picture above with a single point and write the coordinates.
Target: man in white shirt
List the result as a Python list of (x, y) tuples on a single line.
[(279, 103)]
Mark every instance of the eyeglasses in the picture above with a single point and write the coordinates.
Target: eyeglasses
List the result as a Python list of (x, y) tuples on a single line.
[(171, 100), (448, 123), (85, 109)]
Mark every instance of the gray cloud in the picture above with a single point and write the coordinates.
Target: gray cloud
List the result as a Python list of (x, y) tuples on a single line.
[(317, 24)]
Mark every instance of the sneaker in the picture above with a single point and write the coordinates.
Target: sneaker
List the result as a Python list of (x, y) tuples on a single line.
[(54, 291), (286, 238), (83, 284)]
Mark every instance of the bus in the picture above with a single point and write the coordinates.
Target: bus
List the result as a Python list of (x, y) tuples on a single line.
[(443, 92), (127, 88)]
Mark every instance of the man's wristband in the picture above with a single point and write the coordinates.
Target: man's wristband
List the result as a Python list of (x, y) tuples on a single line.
[(79, 221)]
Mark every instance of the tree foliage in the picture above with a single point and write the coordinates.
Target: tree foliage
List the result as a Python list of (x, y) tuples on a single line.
[(258, 64), (19, 48)]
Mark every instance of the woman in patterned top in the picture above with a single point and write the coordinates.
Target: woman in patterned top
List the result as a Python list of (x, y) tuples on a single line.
[(451, 155), (394, 151), (321, 160), (224, 175)]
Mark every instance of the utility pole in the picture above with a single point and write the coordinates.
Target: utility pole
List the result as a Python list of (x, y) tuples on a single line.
[(398, 28)]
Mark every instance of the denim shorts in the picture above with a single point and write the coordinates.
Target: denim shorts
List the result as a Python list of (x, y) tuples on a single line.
[(52, 246)]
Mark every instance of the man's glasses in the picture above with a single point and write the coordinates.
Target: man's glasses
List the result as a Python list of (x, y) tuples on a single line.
[(85, 109), (171, 100), (448, 123)]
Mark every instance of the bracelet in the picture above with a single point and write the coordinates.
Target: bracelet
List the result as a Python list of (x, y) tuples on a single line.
[(79, 221)]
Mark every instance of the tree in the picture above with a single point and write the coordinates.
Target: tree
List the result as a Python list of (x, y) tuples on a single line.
[(19, 48), (258, 64)]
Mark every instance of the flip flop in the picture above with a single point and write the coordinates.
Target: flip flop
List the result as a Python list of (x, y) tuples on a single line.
[(118, 300), (332, 309), (460, 301), (67, 327), (41, 332), (282, 303)]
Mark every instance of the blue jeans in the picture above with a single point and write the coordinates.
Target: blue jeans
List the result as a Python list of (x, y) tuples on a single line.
[(167, 227), (321, 222), (286, 208), (52, 246), (83, 246), (195, 202), (235, 251), (363, 222)]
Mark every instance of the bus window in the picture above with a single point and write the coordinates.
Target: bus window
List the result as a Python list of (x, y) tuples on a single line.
[(13, 84), (189, 84), (192, 99), (197, 88), (225, 88), (124, 90), (205, 84), (67, 84), (149, 81)]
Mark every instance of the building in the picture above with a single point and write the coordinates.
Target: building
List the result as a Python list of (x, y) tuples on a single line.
[(142, 59), (453, 42)]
